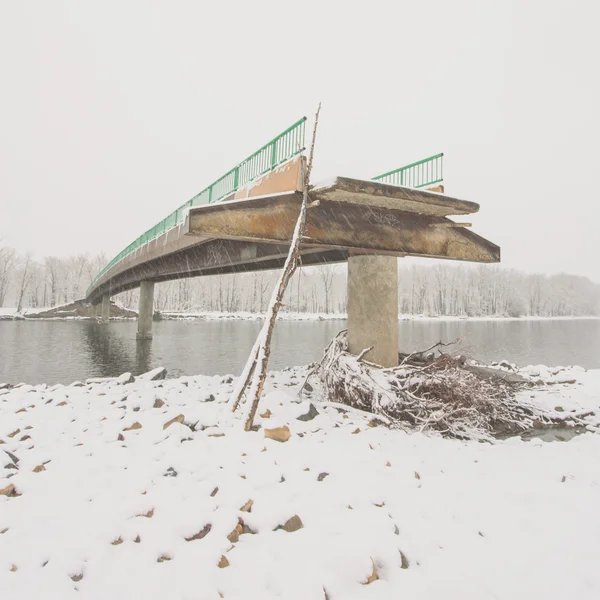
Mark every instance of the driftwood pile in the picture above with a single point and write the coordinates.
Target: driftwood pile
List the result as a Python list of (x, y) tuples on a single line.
[(429, 392)]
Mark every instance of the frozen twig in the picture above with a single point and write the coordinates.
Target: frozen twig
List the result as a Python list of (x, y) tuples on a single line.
[(255, 371)]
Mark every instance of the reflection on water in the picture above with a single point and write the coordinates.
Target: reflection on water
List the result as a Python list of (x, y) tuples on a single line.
[(63, 351)]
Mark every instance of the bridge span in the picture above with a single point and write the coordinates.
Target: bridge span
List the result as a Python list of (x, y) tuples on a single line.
[(369, 223)]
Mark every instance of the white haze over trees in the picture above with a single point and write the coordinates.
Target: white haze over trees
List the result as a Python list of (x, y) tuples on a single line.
[(425, 289)]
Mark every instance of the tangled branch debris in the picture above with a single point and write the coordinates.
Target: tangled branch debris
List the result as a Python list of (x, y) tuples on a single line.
[(443, 394)]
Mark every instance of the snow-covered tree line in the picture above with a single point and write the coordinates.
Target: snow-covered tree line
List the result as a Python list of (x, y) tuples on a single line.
[(424, 288), (28, 283)]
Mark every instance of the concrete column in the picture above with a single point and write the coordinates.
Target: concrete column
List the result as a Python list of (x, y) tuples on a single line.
[(146, 310), (373, 307), (106, 308)]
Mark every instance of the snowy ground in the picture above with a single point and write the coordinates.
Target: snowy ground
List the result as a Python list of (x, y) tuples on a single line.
[(110, 504)]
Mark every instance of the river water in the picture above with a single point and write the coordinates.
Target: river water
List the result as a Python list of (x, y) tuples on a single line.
[(65, 351)]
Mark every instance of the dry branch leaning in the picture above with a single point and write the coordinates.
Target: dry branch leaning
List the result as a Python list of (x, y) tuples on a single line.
[(255, 371)]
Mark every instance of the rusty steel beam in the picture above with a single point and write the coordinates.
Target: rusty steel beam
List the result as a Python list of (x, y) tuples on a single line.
[(343, 225)]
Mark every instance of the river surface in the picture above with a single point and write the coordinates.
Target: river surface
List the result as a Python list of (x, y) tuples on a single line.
[(64, 351)]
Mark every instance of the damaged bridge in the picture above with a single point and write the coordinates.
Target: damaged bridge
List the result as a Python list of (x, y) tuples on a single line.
[(369, 223)]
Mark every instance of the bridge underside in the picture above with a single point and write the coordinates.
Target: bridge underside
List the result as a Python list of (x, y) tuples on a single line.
[(347, 218)]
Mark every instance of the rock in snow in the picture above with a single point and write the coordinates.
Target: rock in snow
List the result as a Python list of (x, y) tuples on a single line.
[(125, 378), (310, 414), (93, 513), (279, 434), (154, 375)]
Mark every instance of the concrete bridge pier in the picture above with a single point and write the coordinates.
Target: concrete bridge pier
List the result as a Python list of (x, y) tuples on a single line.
[(146, 310), (105, 315), (373, 307), (96, 310)]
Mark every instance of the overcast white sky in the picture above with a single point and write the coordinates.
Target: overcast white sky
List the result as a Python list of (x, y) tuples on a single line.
[(113, 113)]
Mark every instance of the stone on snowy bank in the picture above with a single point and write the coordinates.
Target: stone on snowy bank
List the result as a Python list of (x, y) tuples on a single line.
[(223, 562), (12, 456), (163, 558), (125, 378), (9, 491), (374, 576), (201, 534), (136, 425), (177, 419), (154, 375), (310, 415), (234, 536), (279, 434), (292, 524), (158, 403), (404, 564), (243, 528)]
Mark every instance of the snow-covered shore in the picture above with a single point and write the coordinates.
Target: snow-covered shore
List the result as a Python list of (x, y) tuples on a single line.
[(110, 501), (295, 316), (11, 313)]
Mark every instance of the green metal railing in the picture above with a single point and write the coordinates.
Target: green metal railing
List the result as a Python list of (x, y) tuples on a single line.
[(286, 145), (417, 175)]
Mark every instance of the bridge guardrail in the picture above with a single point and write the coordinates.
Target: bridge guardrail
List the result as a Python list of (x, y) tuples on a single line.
[(286, 145), (422, 173)]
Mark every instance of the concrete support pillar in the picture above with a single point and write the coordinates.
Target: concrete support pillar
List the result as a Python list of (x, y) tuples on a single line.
[(106, 308), (146, 310), (373, 307)]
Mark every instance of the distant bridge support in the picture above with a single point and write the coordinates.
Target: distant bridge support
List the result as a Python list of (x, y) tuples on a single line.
[(105, 316), (373, 307), (146, 310)]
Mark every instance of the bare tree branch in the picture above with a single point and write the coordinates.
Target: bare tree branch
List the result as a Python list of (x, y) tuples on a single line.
[(259, 357)]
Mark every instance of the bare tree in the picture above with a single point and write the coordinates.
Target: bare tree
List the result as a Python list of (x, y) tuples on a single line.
[(26, 273), (7, 265), (326, 273)]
